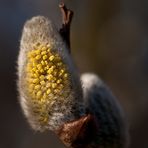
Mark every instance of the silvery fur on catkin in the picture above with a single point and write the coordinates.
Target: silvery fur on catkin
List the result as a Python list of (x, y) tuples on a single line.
[(40, 29), (113, 130)]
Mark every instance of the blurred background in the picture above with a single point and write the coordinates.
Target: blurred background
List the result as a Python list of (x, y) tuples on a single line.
[(108, 37)]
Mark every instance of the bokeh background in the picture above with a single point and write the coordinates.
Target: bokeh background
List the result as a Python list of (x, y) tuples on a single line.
[(108, 37)]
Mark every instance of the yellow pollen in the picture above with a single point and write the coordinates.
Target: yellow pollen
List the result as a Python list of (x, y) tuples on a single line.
[(41, 70), (38, 57), (54, 79), (36, 75), (43, 63), (37, 87), (44, 97), (54, 85), (42, 77), (51, 58), (35, 80), (62, 71), (50, 70), (43, 48), (49, 77), (42, 82), (48, 85), (45, 57), (65, 75), (57, 91), (59, 81), (43, 53), (39, 66), (59, 64), (46, 78), (48, 91), (34, 69), (38, 52), (48, 50), (38, 95), (46, 63)]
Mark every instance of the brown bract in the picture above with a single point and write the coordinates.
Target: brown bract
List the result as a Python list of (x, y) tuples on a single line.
[(79, 133)]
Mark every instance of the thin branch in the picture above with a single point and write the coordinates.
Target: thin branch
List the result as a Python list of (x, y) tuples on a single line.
[(67, 16)]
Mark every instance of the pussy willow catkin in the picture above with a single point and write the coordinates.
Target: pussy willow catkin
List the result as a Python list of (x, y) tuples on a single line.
[(49, 85)]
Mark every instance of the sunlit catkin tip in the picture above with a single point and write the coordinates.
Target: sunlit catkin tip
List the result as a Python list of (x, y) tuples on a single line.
[(49, 86)]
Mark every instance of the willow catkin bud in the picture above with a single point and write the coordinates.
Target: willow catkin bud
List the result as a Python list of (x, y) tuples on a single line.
[(49, 85), (98, 99)]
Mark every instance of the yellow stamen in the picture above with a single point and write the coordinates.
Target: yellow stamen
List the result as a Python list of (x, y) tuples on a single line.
[(51, 58), (46, 78)]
